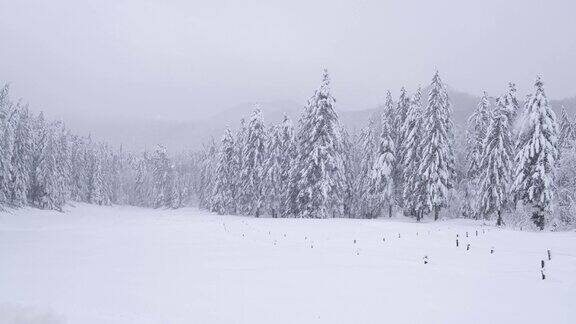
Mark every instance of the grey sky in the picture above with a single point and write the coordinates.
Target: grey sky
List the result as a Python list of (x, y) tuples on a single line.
[(186, 59)]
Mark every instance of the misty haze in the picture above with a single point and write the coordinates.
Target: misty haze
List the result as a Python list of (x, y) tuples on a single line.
[(287, 162)]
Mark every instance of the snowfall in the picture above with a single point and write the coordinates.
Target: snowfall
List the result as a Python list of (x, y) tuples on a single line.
[(131, 265)]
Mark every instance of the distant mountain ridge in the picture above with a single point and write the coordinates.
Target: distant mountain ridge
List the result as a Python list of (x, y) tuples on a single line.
[(191, 135)]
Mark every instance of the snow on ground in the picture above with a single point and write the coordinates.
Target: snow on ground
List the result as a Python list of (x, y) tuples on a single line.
[(131, 265)]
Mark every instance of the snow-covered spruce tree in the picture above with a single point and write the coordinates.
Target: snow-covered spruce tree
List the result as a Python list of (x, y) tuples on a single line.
[(366, 204), (350, 173), (410, 159), (21, 159), (537, 156), (78, 169), (512, 105), (320, 179), (143, 181), (567, 130), (400, 116), (223, 200), (49, 181), (381, 189), (250, 195), (565, 211), (7, 126), (97, 191), (476, 133), (495, 164), (207, 163), (161, 177), (436, 167), (477, 130), (280, 154)]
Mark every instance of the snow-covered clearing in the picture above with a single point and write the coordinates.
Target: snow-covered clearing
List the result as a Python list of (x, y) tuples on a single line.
[(131, 265)]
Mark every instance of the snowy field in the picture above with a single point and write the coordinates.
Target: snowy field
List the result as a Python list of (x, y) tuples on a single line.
[(130, 265)]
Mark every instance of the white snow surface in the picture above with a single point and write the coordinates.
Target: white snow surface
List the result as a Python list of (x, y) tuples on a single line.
[(132, 265)]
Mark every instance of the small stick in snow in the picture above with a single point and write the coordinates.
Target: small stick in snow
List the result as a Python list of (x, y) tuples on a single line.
[(354, 241), (542, 264), (311, 246), (383, 239), (543, 274), (416, 233), (492, 250), (468, 247), (398, 235), (425, 259), (476, 232), (549, 256), (466, 234), (456, 242)]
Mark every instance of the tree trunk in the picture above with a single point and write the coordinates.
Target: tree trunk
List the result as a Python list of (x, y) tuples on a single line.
[(390, 211), (436, 212), (538, 218), (499, 221)]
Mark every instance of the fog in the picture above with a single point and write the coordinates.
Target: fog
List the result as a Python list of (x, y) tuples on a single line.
[(187, 60)]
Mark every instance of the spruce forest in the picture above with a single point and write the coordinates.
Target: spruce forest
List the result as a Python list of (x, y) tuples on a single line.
[(513, 164)]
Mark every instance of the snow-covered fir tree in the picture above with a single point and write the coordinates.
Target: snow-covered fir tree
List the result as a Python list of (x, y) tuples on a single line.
[(410, 158), (7, 126), (477, 129), (97, 191), (366, 204), (537, 156), (280, 155), (319, 176), (21, 159), (381, 176), (495, 164), (250, 195), (436, 169), (225, 180), (49, 174), (398, 138), (161, 177), (207, 161), (567, 130), (510, 101)]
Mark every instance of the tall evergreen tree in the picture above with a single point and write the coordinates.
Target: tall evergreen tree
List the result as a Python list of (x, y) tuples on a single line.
[(280, 154), (7, 125), (381, 190), (21, 159), (537, 155), (398, 138), (225, 186), (251, 197), (410, 158), (495, 165), (437, 164), (476, 134), (320, 179), (367, 202), (567, 130)]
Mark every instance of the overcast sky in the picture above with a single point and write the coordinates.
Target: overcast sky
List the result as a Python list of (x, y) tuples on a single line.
[(184, 59)]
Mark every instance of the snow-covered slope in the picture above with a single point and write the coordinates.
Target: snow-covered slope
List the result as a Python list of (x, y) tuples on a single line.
[(131, 265)]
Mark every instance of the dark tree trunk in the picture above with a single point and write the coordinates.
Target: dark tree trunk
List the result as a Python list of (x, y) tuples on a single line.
[(436, 212), (538, 218), (499, 221), (390, 211)]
